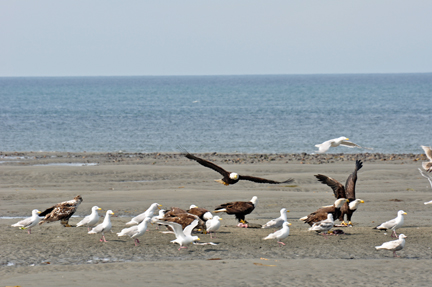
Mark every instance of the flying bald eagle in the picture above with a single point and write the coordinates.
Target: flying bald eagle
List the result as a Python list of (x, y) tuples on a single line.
[(321, 213), (239, 208), (61, 211), (347, 192), (231, 177)]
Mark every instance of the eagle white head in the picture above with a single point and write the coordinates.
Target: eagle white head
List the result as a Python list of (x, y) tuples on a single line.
[(339, 202), (254, 200), (234, 175)]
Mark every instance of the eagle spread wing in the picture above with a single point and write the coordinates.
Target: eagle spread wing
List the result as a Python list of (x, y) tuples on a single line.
[(338, 188)]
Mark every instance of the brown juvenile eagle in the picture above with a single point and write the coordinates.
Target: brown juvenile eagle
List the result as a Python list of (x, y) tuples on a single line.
[(61, 211), (231, 177), (347, 192)]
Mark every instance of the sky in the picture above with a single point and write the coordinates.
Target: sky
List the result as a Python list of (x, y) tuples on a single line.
[(133, 38)]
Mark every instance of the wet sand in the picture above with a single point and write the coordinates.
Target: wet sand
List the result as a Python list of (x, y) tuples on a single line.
[(129, 183)]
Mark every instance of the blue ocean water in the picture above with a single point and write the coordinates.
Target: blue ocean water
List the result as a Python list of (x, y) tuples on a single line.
[(390, 113)]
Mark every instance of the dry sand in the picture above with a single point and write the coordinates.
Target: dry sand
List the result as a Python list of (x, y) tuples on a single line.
[(129, 183)]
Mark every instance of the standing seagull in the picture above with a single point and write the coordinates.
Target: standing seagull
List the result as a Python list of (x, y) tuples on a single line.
[(239, 208), (29, 222), (323, 226), (394, 245), (213, 225), (183, 237), (280, 234), (90, 220), (136, 230), (61, 211), (343, 141), (393, 224), (148, 213), (427, 165), (105, 226), (231, 177), (277, 222), (347, 192)]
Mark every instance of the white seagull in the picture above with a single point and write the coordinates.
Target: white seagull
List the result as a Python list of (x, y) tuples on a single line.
[(213, 225), (277, 222), (427, 165), (136, 230), (105, 226), (90, 220), (280, 234), (183, 237), (148, 213), (394, 245), (343, 141), (393, 224), (429, 177), (29, 222), (323, 226)]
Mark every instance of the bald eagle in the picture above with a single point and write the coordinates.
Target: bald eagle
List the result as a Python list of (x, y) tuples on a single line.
[(61, 211), (321, 213), (347, 192), (231, 177), (239, 208)]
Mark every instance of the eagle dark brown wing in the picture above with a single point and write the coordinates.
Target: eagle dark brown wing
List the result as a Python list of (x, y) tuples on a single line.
[(47, 211), (351, 182), (198, 211), (338, 188), (263, 180), (208, 164), (321, 214)]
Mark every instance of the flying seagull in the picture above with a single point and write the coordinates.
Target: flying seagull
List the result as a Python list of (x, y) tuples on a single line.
[(343, 141), (231, 177), (183, 236), (427, 165)]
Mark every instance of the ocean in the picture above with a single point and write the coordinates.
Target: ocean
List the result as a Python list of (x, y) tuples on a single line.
[(391, 113)]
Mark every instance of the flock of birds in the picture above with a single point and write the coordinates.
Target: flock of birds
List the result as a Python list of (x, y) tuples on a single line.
[(183, 222)]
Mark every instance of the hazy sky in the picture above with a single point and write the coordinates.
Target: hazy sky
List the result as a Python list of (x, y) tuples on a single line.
[(98, 38)]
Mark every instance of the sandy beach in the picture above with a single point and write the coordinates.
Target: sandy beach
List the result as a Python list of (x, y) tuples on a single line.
[(129, 183)]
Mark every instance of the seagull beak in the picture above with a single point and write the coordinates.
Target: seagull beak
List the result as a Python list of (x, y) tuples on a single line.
[(289, 223), (198, 239), (220, 218), (112, 213), (39, 211), (159, 206), (361, 201), (404, 213), (99, 208), (287, 210)]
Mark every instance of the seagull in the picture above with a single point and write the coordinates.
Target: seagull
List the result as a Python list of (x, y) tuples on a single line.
[(427, 165), (429, 177), (158, 217), (394, 245), (213, 225), (277, 222), (105, 226), (183, 237), (280, 234), (323, 226), (148, 213), (136, 230), (90, 220), (29, 222), (393, 224), (343, 141)]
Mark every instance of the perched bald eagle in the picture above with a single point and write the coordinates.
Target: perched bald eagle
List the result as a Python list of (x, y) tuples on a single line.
[(231, 177), (239, 208), (202, 213), (61, 211), (347, 192), (321, 213)]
